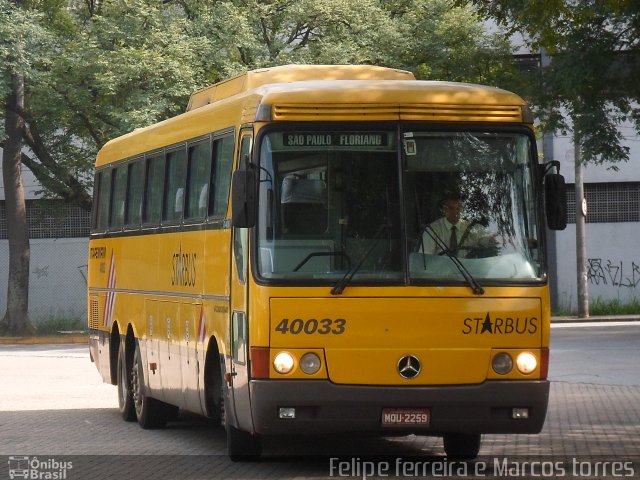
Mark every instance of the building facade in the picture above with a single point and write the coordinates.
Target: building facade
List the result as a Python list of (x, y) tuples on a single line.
[(613, 226), (59, 238)]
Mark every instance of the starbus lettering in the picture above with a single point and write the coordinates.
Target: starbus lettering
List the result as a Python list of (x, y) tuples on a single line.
[(183, 271), (500, 325)]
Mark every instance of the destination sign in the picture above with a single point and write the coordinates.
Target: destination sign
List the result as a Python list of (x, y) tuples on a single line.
[(347, 139)]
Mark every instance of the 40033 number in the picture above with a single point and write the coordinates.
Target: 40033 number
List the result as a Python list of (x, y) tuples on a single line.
[(325, 326)]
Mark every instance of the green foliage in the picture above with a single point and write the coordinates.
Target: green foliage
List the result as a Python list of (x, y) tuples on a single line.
[(60, 323), (606, 307), (614, 306), (592, 76), (24, 46), (95, 70)]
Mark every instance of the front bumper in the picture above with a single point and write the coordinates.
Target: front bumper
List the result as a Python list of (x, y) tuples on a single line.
[(325, 407)]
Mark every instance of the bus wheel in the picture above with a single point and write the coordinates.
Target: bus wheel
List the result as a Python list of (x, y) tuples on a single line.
[(125, 394), (151, 413), (242, 446), (462, 445), (214, 391)]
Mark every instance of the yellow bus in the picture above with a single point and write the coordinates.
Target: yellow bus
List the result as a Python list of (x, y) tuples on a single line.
[(274, 259)]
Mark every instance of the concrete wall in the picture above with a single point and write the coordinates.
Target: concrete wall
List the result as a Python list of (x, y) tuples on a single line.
[(57, 280), (613, 266), (613, 250)]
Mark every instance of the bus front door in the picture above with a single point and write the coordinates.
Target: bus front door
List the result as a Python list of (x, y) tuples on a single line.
[(239, 392)]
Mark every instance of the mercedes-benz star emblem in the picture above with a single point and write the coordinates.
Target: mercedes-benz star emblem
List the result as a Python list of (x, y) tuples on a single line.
[(409, 366)]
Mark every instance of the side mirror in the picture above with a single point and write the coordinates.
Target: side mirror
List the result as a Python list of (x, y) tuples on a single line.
[(555, 201), (244, 188)]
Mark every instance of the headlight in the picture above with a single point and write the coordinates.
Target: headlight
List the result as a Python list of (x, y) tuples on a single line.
[(526, 363), (310, 363), (283, 362), (502, 363)]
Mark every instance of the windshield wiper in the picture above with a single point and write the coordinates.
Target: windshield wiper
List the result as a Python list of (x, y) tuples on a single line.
[(472, 282), (346, 279)]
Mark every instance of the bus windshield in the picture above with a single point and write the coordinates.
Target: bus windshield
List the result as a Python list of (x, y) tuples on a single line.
[(379, 208)]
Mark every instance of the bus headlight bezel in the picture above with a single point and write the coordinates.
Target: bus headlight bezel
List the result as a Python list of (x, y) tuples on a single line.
[(310, 363), (502, 363)]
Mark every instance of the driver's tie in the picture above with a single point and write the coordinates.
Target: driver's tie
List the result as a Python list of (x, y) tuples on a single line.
[(453, 239)]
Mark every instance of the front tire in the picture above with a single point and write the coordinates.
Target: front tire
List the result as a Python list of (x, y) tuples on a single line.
[(125, 393), (242, 446), (464, 446)]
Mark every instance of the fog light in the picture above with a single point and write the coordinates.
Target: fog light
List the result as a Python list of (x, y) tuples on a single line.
[(518, 413), (283, 362), (310, 363), (502, 363), (526, 363), (287, 412)]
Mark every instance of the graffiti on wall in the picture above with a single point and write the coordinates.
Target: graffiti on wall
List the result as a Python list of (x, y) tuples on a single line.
[(613, 273)]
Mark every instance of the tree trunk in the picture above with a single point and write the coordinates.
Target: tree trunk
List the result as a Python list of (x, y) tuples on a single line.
[(581, 240), (16, 320)]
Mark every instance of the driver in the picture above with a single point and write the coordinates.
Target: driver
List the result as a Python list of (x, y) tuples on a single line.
[(458, 235)]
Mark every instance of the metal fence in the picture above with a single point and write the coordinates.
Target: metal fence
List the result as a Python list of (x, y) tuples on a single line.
[(58, 267)]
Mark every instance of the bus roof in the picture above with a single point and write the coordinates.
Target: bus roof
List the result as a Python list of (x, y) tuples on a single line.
[(321, 93), (291, 73)]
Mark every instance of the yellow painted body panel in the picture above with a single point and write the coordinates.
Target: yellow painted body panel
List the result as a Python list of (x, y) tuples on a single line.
[(174, 269), (291, 73), (453, 336)]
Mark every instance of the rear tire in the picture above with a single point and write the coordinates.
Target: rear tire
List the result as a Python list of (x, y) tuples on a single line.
[(125, 393), (215, 394), (150, 412), (462, 445)]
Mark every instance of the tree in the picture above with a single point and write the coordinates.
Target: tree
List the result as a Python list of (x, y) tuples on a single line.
[(110, 67), (14, 71), (432, 38), (70, 87), (94, 70), (117, 66), (591, 79)]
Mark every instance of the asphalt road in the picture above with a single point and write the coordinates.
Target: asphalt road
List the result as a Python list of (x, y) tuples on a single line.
[(54, 407), (598, 353)]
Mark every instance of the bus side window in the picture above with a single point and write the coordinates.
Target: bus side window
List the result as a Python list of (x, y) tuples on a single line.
[(198, 182), (221, 176), (174, 185), (104, 200), (135, 188), (118, 197), (153, 190)]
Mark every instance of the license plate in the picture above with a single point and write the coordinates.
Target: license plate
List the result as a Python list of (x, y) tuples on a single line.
[(403, 417)]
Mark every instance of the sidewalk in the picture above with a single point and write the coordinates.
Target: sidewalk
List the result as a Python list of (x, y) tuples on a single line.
[(596, 318), (74, 338)]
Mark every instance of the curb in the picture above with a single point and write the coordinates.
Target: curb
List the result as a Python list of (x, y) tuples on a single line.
[(598, 318)]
